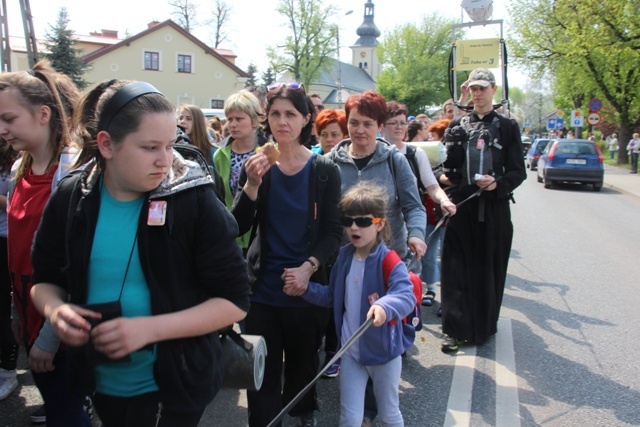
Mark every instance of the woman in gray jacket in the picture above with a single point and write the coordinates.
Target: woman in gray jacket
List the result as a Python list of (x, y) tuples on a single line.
[(364, 157)]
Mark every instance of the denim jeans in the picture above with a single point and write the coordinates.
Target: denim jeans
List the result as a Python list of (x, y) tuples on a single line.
[(634, 162), (430, 266), (386, 381)]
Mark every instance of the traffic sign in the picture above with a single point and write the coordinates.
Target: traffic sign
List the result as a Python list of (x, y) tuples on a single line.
[(559, 123), (577, 120), (595, 104), (593, 118), (551, 123), (560, 113)]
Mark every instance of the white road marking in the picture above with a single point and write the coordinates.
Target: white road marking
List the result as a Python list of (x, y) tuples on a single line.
[(459, 404), (507, 401)]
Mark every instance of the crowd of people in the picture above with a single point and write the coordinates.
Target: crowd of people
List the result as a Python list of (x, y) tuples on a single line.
[(136, 231)]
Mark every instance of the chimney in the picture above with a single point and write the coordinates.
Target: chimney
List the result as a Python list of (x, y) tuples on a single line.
[(152, 24), (112, 34)]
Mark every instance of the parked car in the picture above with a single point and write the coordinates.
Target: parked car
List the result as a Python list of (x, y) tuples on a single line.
[(526, 144), (571, 160), (210, 112), (532, 156)]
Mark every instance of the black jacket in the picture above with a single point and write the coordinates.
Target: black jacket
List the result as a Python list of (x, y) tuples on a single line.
[(325, 230), (191, 258)]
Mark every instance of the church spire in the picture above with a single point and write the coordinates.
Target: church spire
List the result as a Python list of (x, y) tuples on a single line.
[(368, 31)]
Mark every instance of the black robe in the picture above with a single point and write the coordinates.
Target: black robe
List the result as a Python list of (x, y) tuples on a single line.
[(477, 244)]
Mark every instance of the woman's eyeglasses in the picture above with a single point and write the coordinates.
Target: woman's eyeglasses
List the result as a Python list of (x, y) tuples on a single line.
[(361, 221), (278, 85)]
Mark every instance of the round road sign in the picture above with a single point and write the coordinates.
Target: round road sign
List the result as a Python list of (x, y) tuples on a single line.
[(593, 118), (595, 104)]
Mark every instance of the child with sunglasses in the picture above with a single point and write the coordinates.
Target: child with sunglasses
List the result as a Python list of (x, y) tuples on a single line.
[(357, 292)]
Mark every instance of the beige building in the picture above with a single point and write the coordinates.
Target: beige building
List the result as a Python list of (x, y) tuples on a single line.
[(182, 67)]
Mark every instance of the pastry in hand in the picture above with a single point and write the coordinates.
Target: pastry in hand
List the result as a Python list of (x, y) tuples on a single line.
[(271, 151)]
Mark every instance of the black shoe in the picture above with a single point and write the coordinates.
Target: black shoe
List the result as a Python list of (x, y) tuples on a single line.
[(439, 313), (307, 420), (427, 298), (39, 416), (449, 344)]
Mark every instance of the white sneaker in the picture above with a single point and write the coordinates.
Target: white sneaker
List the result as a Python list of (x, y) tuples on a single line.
[(8, 383)]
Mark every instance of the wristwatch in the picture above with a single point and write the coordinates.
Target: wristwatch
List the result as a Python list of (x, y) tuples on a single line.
[(314, 266)]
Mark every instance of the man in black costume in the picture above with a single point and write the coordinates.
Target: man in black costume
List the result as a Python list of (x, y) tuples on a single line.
[(484, 151)]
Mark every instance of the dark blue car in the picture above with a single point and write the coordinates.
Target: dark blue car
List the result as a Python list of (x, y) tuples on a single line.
[(535, 152), (571, 160)]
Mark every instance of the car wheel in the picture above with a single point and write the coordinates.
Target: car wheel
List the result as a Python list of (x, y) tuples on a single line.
[(539, 177), (547, 183), (597, 187)]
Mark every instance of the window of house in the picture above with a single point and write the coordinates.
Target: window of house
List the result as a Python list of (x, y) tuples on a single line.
[(152, 60), (217, 103), (184, 63)]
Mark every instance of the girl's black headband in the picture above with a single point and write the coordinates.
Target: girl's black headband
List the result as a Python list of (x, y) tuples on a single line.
[(121, 98)]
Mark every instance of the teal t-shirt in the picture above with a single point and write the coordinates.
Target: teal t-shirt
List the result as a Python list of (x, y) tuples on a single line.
[(114, 247)]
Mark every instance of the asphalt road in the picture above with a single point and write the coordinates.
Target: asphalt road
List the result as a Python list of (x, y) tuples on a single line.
[(564, 354)]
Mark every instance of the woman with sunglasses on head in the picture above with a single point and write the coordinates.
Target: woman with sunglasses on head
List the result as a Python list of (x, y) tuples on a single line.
[(136, 266), (295, 203)]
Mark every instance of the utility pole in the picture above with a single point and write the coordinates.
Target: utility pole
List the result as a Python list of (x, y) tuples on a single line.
[(339, 97), (29, 34), (5, 50)]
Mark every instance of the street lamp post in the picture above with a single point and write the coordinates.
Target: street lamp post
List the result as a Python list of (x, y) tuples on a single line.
[(339, 97)]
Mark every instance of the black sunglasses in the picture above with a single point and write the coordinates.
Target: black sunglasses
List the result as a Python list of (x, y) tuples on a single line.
[(361, 221)]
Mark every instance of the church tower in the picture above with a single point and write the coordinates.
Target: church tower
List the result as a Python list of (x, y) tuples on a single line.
[(364, 50)]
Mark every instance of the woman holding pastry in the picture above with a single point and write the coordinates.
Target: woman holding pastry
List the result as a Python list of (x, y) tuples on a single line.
[(293, 196)]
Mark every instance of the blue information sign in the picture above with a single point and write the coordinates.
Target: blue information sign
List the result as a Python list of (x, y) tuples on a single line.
[(559, 123), (551, 123)]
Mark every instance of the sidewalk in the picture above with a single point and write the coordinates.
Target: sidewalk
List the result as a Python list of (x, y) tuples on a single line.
[(621, 180)]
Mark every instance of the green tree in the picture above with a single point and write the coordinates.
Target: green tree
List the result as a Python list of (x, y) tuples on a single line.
[(311, 43), (63, 55), (590, 48), (251, 70), (415, 60), (268, 77)]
